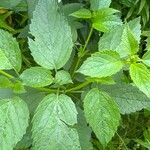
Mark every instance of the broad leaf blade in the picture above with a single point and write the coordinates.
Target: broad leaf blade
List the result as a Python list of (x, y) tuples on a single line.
[(62, 77), (135, 27), (141, 77), (128, 98), (32, 97), (102, 114), (9, 4), (53, 124), (129, 42), (68, 9), (5, 93), (84, 132), (105, 19), (98, 4), (53, 40), (5, 82), (146, 58), (82, 13), (123, 39), (10, 55), (148, 44), (101, 64), (36, 77), (14, 117)]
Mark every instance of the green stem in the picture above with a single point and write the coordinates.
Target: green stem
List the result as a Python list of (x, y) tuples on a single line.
[(6, 74), (88, 39), (83, 50), (79, 86), (48, 90), (76, 92), (122, 141), (72, 90)]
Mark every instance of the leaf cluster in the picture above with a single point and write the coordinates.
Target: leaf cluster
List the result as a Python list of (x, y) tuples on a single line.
[(74, 75)]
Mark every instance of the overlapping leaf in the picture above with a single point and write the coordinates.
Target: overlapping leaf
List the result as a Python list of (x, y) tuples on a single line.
[(53, 124), (146, 58), (123, 39), (84, 131), (141, 77), (36, 77), (14, 117), (10, 55), (101, 64), (52, 45), (9, 4), (102, 114), (128, 98), (62, 77), (105, 19), (98, 4), (82, 13)]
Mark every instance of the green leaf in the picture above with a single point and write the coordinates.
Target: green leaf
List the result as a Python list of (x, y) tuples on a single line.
[(102, 113), (148, 44), (82, 13), (142, 4), (147, 134), (104, 19), (101, 64), (53, 44), (31, 7), (147, 34), (68, 9), (123, 39), (5, 93), (9, 4), (36, 77), (4, 24), (22, 6), (25, 142), (104, 12), (53, 124), (18, 88), (10, 55), (130, 43), (128, 98), (135, 27), (5, 82), (128, 3), (146, 58), (32, 97), (144, 144), (141, 77), (98, 4), (62, 77), (14, 117), (84, 131)]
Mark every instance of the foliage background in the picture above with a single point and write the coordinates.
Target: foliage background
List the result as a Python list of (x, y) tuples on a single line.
[(134, 131)]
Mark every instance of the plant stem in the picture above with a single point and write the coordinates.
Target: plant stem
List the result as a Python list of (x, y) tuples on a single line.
[(88, 39), (83, 50), (6, 74), (72, 90), (48, 90), (122, 141), (78, 87)]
